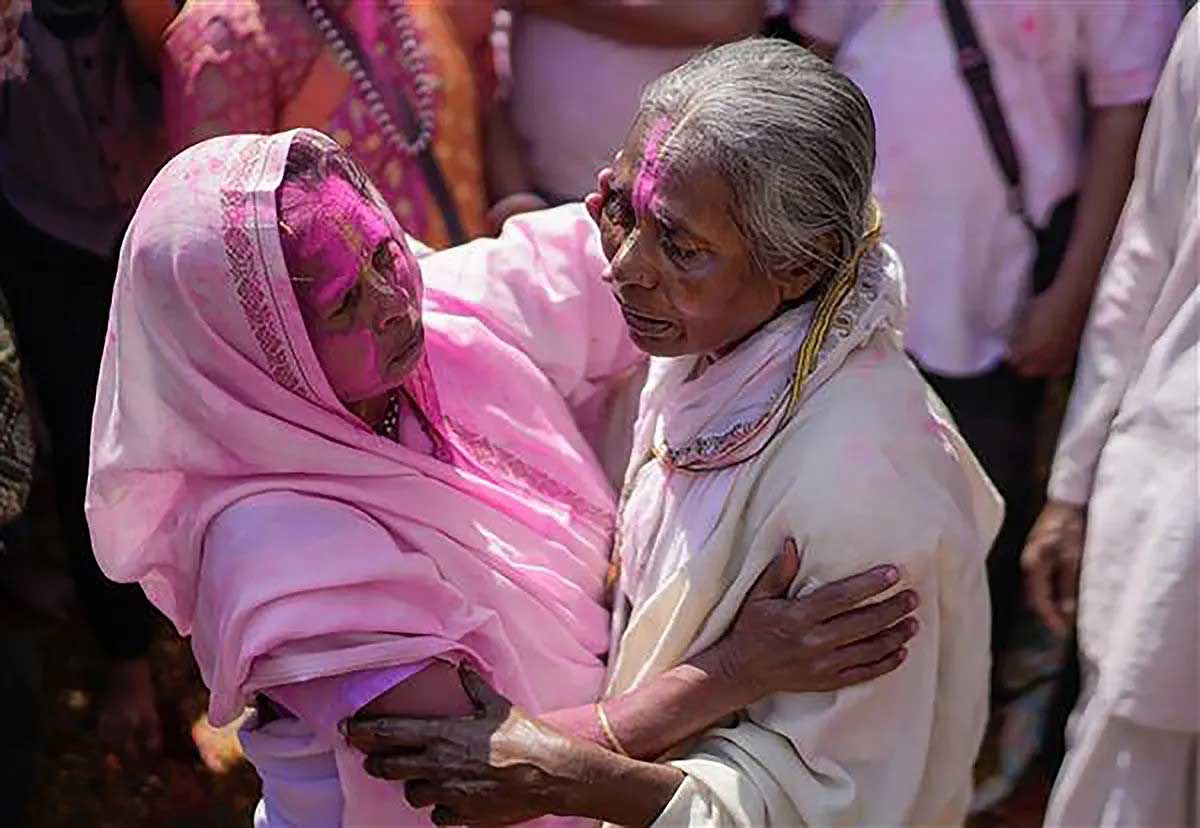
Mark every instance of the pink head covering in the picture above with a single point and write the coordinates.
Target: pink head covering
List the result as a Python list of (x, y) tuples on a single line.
[(332, 221), (211, 400)]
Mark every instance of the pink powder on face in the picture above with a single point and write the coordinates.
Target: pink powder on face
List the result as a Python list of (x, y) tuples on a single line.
[(330, 241), (653, 169)]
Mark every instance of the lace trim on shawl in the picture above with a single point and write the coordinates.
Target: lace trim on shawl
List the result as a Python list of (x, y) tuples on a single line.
[(493, 456)]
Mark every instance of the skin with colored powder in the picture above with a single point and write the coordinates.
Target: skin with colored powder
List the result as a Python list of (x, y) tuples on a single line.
[(683, 286), (358, 286)]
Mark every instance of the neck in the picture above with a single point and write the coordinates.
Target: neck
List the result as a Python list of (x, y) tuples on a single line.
[(371, 411)]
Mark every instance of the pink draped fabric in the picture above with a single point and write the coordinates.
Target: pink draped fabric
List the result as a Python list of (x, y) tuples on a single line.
[(287, 538)]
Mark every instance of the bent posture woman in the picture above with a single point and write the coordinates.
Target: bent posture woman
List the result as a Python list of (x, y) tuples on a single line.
[(342, 484)]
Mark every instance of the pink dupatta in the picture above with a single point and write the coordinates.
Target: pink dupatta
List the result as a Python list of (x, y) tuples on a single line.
[(287, 538)]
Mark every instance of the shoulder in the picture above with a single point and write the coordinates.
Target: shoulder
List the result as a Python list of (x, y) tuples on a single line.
[(876, 406), (872, 468)]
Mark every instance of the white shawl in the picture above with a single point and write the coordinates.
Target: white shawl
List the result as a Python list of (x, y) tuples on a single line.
[(866, 469)]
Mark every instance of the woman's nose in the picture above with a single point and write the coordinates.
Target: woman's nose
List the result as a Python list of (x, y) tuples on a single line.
[(395, 313), (629, 266)]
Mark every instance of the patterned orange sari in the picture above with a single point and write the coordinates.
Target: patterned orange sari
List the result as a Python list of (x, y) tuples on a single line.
[(232, 66)]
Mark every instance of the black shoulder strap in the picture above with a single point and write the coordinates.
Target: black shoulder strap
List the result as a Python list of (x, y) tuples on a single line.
[(976, 71)]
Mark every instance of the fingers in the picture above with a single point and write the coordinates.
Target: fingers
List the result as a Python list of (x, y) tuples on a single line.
[(483, 696), (877, 647), (844, 595), (1037, 562), (401, 766), (444, 815), (389, 733), (779, 574), (421, 793), (604, 179), (1067, 582), (594, 202), (867, 621), (866, 672), (458, 803)]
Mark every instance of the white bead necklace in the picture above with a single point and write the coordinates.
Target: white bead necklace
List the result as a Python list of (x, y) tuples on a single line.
[(412, 59)]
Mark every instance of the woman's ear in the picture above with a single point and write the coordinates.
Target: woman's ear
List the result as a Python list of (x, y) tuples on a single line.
[(796, 282)]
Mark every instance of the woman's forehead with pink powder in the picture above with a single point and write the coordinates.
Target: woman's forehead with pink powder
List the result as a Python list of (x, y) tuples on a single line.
[(334, 232)]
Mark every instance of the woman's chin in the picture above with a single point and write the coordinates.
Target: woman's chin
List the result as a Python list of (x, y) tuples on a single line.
[(672, 345), (404, 363)]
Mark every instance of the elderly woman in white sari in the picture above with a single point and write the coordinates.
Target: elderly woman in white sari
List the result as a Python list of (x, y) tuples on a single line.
[(745, 252)]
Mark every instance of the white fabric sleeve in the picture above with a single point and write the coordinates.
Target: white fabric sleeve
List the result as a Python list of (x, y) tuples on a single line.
[(898, 747), (1143, 251), (820, 758), (1124, 46)]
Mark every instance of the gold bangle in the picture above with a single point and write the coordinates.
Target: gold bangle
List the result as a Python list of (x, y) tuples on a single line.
[(609, 734)]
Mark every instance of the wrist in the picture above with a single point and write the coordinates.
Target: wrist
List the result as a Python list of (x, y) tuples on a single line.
[(618, 789), (1075, 285), (728, 678), (1064, 515)]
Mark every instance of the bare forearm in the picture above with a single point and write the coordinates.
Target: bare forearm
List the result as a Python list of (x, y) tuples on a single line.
[(617, 789), (677, 705), (1107, 174), (658, 22)]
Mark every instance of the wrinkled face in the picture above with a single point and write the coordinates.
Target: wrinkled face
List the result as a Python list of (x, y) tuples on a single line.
[(679, 266), (359, 289)]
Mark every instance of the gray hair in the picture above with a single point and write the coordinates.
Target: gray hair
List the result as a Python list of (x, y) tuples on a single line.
[(792, 138)]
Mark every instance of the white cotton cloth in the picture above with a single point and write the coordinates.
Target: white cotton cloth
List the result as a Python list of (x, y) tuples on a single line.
[(1130, 443), (867, 469)]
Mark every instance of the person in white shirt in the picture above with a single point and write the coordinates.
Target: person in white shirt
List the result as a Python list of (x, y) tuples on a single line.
[(578, 70), (1123, 494), (983, 338)]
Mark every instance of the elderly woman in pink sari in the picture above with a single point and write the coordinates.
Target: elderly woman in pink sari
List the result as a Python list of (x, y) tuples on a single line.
[(343, 480)]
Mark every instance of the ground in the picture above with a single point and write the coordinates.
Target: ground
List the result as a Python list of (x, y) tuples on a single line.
[(199, 781)]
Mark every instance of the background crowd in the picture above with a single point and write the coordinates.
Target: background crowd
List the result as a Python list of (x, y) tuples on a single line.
[(1006, 150)]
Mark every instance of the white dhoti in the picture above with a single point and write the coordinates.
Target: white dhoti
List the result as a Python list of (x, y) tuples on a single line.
[(1130, 453), (1120, 773)]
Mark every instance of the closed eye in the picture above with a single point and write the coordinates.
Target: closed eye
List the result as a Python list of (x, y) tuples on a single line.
[(349, 302)]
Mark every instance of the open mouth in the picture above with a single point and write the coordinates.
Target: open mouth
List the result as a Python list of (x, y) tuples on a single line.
[(648, 326)]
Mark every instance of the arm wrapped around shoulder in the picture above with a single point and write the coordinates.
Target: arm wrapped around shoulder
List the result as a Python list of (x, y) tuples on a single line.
[(331, 593)]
